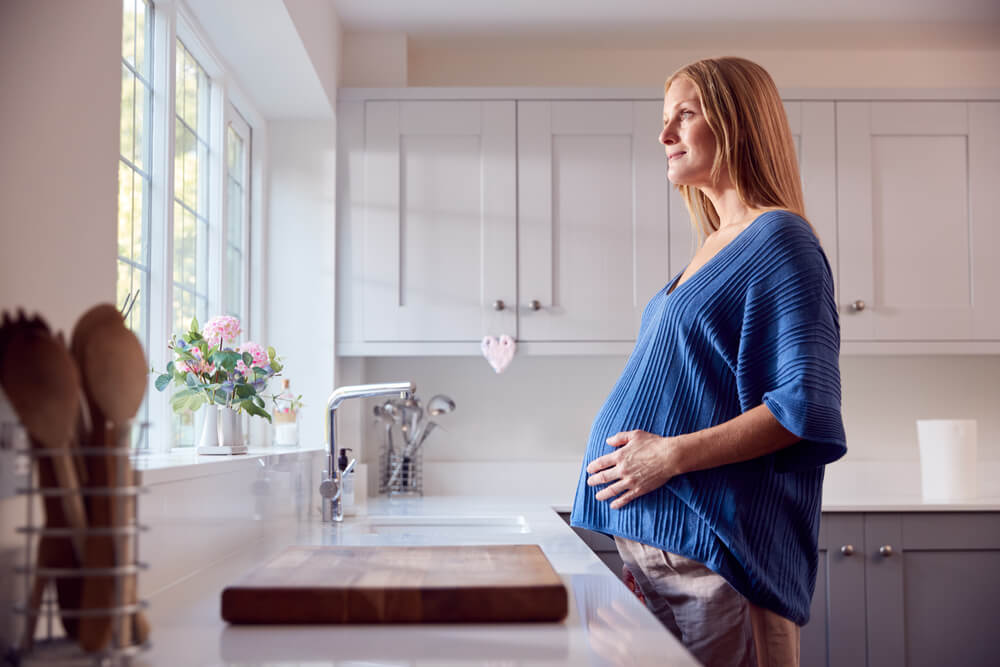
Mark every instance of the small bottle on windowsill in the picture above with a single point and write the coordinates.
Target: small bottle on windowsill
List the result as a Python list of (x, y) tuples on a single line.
[(285, 418)]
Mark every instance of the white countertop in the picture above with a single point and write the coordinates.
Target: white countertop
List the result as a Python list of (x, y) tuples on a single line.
[(606, 625)]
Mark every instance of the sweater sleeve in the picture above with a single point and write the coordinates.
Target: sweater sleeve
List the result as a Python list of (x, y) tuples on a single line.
[(790, 345)]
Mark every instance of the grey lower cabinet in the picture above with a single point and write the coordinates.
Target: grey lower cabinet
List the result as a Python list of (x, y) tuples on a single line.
[(896, 589), (909, 589)]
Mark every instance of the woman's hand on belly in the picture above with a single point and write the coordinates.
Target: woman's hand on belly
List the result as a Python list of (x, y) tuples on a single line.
[(641, 463)]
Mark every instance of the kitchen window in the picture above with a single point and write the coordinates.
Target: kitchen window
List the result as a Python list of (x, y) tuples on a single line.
[(184, 224), (134, 175)]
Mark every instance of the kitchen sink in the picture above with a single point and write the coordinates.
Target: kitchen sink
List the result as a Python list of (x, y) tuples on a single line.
[(504, 524)]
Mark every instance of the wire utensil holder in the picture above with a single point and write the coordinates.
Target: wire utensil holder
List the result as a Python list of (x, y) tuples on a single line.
[(50, 589), (409, 479)]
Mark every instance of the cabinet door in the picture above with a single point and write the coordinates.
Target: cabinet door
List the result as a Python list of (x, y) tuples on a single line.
[(835, 633), (932, 598), (813, 128), (439, 223), (592, 218), (918, 220)]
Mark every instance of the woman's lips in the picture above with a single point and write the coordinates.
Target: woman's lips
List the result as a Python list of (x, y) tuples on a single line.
[(675, 155)]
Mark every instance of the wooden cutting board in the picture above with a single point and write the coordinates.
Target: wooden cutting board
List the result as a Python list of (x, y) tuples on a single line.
[(442, 584)]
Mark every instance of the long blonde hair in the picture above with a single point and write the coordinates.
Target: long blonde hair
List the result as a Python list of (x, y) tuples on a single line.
[(744, 111)]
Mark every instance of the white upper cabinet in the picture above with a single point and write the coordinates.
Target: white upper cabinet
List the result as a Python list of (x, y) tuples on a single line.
[(592, 218), (919, 211), (439, 220), (813, 131), (550, 218)]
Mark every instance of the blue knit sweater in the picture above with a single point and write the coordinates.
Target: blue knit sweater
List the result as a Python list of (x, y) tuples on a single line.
[(756, 324)]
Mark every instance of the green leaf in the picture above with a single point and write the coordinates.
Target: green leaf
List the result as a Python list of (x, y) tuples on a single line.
[(170, 368), (247, 358), (244, 390), (194, 324), (190, 380), (259, 402), (226, 359), (254, 410), (163, 380), (220, 397), (258, 372), (179, 401), (184, 355), (196, 401), (271, 354), (276, 367)]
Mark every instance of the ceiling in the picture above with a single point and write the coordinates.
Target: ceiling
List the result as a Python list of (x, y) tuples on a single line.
[(665, 24)]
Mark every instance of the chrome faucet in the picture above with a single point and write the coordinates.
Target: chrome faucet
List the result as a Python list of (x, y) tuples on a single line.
[(330, 486)]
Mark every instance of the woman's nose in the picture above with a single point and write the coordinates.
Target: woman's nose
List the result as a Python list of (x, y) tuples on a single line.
[(667, 137)]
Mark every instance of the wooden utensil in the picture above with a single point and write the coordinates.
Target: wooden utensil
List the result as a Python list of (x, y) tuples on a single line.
[(114, 378), (21, 340), (53, 552), (43, 385), (444, 584)]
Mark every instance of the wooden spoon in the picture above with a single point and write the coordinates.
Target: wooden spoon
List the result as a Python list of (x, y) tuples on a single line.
[(43, 386), (114, 377)]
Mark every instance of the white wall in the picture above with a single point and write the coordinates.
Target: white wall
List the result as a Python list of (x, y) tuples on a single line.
[(60, 67), (319, 29), (300, 253), (538, 414)]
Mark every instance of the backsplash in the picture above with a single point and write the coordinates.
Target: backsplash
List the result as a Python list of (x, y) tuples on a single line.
[(541, 408)]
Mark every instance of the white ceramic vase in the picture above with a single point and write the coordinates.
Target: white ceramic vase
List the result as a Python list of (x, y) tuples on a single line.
[(223, 427)]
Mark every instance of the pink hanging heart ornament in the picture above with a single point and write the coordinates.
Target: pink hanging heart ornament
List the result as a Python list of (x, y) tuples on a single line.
[(499, 352)]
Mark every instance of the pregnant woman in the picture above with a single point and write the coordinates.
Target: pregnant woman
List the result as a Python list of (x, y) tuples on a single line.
[(706, 461)]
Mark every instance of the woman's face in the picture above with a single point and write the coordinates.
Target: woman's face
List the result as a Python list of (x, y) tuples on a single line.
[(689, 142)]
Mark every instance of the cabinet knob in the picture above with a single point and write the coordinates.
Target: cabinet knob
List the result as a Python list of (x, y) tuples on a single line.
[(535, 304), (499, 304), (885, 550), (847, 549), (858, 306)]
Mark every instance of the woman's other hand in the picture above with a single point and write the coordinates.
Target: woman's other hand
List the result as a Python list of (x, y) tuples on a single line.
[(642, 463)]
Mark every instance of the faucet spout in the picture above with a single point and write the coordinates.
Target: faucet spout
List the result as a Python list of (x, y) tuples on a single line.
[(330, 486)]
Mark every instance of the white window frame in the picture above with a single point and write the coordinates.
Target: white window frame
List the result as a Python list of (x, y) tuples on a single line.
[(174, 20), (232, 116)]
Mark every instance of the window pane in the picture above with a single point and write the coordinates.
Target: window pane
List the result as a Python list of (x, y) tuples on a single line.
[(202, 167), (125, 214), (143, 29), (128, 31), (234, 282), (141, 99), (138, 253), (127, 129), (235, 217)]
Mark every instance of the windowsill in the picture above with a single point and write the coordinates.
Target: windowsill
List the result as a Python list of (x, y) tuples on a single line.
[(184, 463)]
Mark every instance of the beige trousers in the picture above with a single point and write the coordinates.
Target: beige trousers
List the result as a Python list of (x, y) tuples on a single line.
[(719, 626)]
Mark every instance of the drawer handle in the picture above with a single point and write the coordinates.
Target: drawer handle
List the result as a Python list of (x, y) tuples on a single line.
[(847, 549), (885, 550), (499, 304), (535, 304), (858, 306)]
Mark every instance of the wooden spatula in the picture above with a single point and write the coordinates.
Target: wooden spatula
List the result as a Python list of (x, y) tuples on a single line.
[(114, 378)]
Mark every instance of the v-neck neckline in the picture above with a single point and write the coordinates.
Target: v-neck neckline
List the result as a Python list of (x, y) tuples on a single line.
[(673, 286)]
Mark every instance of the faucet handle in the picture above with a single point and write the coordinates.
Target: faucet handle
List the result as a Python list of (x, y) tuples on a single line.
[(329, 488)]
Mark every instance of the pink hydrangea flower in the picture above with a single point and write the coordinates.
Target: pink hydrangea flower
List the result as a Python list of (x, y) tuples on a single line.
[(256, 351), (222, 329)]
